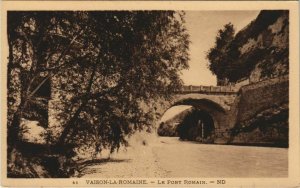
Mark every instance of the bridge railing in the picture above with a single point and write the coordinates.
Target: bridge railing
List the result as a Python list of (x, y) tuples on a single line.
[(231, 89), (209, 89)]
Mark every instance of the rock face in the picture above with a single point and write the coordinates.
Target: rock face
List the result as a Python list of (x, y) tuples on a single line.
[(261, 50), (270, 45)]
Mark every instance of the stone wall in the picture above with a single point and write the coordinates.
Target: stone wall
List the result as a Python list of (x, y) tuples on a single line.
[(262, 115), (263, 95)]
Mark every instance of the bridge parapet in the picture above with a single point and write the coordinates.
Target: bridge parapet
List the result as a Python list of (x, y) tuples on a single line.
[(210, 89)]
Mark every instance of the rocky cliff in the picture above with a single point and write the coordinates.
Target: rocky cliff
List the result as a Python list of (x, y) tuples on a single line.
[(261, 50)]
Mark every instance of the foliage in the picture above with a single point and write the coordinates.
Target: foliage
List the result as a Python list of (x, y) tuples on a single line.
[(103, 69), (219, 56), (269, 51), (166, 129)]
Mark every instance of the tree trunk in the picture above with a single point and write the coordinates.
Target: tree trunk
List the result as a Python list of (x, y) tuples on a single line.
[(73, 119)]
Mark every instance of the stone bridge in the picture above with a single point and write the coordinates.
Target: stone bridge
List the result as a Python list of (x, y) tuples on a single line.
[(222, 96), (228, 106), (216, 101)]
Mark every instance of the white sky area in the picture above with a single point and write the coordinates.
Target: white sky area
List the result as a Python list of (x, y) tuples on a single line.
[(203, 27), (170, 113)]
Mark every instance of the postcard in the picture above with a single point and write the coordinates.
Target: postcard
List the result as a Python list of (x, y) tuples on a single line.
[(150, 93)]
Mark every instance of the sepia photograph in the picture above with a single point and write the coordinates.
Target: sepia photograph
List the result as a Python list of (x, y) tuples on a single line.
[(184, 97)]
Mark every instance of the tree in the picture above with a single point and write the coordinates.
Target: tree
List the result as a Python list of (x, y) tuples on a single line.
[(219, 55), (106, 71)]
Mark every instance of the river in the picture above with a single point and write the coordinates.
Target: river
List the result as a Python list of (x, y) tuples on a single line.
[(169, 157)]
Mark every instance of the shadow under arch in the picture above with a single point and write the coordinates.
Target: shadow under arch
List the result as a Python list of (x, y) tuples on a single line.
[(197, 126)]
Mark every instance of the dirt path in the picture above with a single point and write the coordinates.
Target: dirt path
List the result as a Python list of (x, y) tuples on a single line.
[(138, 160), (169, 157)]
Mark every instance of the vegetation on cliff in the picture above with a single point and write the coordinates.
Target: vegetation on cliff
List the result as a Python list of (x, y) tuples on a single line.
[(219, 56), (263, 44)]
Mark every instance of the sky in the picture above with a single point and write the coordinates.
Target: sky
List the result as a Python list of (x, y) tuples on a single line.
[(203, 27)]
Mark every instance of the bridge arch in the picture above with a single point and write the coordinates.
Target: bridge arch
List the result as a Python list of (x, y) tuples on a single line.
[(209, 109), (205, 105), (199, 103)]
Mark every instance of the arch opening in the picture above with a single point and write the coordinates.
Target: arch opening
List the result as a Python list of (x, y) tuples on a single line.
[(201, 122), (171, 119), (197, 126)]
